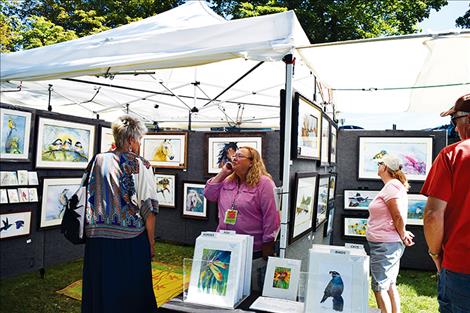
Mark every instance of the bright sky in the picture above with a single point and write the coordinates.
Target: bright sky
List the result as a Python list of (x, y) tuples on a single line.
[(438, 22)]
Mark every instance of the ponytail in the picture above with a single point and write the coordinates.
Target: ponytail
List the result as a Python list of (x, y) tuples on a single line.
[(398, 174)]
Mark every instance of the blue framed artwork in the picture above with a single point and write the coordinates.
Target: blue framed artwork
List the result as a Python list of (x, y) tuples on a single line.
[(15, 129)]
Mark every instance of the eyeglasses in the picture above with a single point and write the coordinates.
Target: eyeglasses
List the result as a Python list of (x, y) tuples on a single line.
[(454, 118), (240, 156), (380, 163)]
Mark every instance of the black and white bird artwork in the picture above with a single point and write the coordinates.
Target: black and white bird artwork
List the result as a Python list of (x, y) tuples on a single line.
[(335, 289)]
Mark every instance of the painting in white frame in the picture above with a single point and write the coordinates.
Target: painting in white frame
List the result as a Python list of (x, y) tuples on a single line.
[(33, 195), (282, 278), (165, 189), (33, 178), (8, 178), (15, 129), (325, 141), (165, 150), (308, 117), (303, 210), (63, 144), (321, 205), (220, 149), (194, 202), (359, 199), (107, 140), (15, 224), (23, 194), (416, 204), (13, 196), (354, 226), (415, 154), (22, 177), (56, 192)]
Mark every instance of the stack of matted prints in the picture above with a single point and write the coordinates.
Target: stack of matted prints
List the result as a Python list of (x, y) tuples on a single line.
[(281, 284), (337, 280), (221, 269)]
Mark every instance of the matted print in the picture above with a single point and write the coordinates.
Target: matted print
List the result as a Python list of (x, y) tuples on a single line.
[(321, 204), (23, 194), (282, 278), (165, 150), (22, 177), (107, 140), (55, 194), (33, 178), (13, 196), (194, 202), (165, 189), (213, 274), (415, 153), (306, 129), (333, 143), (15, 128), (354, 226), (8, 178), (303, 208), (33, 194), (359, 199), (332, 187), (64, 144), (15, 224), (221, 148), (416, 204), (3, 196), (330, 220), (325, 141)]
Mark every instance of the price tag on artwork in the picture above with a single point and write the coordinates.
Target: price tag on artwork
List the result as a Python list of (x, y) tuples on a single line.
[(231, 217)]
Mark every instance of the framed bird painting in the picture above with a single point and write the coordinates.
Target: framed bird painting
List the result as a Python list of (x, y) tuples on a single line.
[(55, 194), (415, 154), (15, 224), (15, 129), (63, 144)]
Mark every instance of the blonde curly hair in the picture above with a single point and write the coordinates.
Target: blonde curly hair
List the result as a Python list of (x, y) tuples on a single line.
[(255, 172)]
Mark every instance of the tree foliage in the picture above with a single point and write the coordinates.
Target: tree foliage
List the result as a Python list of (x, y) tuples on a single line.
[(33, 23), (464, 21)]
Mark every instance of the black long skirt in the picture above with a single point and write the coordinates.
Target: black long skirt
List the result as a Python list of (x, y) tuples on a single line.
[(117, 276)]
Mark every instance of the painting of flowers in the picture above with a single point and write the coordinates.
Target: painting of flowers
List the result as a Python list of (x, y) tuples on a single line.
[(415, 154), (64, 144), (15, 128), (355, 227), (281, 277), (213, 275)]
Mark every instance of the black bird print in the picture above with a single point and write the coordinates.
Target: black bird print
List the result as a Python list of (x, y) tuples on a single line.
[(19, 224), (335, 289), (6, 225)]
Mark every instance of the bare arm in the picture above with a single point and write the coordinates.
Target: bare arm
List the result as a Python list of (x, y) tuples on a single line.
[(434, 227), (224, 172), (150, 227), (406, 236)]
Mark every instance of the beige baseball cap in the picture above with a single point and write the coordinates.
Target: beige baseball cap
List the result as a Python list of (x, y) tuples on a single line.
[(391, 161)]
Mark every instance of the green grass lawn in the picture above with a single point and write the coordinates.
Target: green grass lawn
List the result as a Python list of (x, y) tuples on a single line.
[(30, 293)]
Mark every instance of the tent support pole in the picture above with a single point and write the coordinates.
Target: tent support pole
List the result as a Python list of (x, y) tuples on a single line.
[(289, 60)]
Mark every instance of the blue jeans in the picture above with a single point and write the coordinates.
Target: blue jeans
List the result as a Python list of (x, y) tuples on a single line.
[(453, 292)]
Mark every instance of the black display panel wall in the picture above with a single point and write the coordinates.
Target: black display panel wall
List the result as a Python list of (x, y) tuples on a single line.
[(415, 257)]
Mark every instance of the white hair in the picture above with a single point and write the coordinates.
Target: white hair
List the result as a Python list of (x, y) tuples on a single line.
[(126, 127)]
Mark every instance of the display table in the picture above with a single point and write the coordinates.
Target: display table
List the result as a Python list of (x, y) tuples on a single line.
[(177, 305)]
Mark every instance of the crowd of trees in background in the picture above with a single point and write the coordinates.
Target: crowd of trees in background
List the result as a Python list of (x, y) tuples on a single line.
[(26, 24)]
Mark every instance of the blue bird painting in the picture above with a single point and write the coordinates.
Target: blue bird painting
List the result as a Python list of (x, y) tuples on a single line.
[(19, 224), (6, 225), (335, 289)]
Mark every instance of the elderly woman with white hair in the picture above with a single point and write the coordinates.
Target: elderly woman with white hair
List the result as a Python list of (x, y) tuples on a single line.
[(386, 233), (120, 227)]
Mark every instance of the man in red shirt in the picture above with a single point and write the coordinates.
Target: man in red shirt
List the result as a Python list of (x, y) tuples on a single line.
[(447, 214)]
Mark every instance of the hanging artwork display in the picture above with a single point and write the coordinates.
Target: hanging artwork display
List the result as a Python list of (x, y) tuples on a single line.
[(216, 273), (337, 280), (165, 150), (359, 199), (306, 129), (63, 144), (332, 186), (23, 194), (415, 154), (15, 128), (416, 204), (333, 142), (33, 195), (55, 194), (107, 140), (13, 196), (22, 177), (194, 202), (354, 226), (303, 207), (330, 220), (165, 189), (321, 204), (282, 278), (15, 224), (325, 140), (222, 146)]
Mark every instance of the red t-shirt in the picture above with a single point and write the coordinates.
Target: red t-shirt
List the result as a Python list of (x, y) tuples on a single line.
[(449, 180)]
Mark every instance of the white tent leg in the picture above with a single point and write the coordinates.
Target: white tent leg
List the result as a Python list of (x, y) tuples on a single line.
[(289, 60)]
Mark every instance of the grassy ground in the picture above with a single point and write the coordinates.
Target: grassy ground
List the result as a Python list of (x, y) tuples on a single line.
[(29, 293)]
